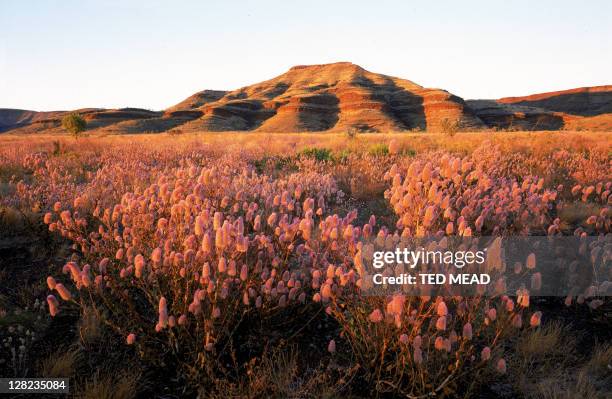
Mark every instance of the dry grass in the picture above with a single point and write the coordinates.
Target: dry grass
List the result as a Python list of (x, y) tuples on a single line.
[(113, 385), (61, 364), (284, 143), (90, 328), (548, 365), (282, 374)]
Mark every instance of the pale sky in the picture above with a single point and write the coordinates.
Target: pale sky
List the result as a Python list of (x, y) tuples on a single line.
[(57, 55)]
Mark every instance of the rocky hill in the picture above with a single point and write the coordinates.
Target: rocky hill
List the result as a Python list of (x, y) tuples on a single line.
[(334, 97), (338, 97), (586, 108)]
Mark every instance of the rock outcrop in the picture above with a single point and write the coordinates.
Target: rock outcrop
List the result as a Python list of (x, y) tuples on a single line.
[(338, 97), (586, 108), (583, 101), (330, 97)]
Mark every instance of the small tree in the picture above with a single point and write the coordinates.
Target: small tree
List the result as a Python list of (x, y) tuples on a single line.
[(449, 127), (74, 123)]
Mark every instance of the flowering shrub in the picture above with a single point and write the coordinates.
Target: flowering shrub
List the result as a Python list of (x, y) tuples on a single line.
[(176, 250)]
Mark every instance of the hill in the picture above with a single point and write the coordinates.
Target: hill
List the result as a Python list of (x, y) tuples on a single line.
[(338, 97), (585, 108), (333, 97)]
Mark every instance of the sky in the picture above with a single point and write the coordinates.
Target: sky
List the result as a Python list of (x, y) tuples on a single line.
[(58, 55)]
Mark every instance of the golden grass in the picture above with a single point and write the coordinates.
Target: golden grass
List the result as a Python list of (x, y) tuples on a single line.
[(283, 143), (61, 364), (90, 328), (119, 385), (548, 365), (545, 343)]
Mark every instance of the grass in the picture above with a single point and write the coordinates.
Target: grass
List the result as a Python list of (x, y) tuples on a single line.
[(549, 364), (287, 143), (112, 385), (64, 362)]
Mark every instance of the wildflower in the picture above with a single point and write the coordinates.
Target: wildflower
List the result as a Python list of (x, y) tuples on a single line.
[(85, 277), (467, 331), (139, 264), (403, 339), (396, 306), (231, 271), (131, 338), (222, 266), (535, 319), (163, 313), (326, 292), (156, 255), (244, 272), (440, 344), (450, 228), (51, 283), (331, 347), (53, 305), (531, 261), (376, 316), (441, 309), (206, 243), (63, 292), (501, 366), (523, 297), (103, 265), (485, 354)]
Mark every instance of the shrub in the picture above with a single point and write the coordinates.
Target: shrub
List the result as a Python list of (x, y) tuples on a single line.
[(378, 150), (74, 124), (161, 234), (449, 127), (319, 154)]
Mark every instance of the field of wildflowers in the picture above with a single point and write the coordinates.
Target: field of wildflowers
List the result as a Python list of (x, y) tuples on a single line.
[(231, 265)]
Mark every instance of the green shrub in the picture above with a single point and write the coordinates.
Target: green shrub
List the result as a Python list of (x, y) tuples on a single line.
[(319, 154), (379, 150), (74, 124)]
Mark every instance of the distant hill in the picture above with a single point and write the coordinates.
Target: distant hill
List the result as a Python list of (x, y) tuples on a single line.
[(14, 118), (587, 108), (338, 97), (23, 121)]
